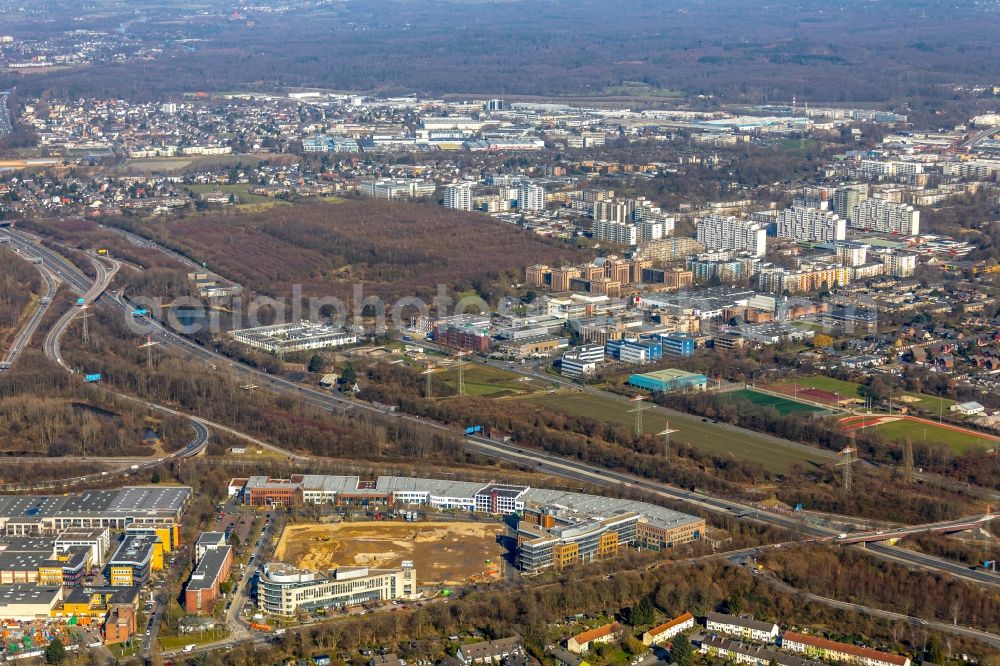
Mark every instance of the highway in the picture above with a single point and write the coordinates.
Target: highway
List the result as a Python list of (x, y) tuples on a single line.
[(23, 337), (978, 137), (500, 450)]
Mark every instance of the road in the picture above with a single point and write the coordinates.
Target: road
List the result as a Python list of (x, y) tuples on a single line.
[(500, 450), (978, 137), (23, 337)]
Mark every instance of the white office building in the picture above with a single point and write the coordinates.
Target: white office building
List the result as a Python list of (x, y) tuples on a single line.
[(530, 197), (458, 196), (886, 217), (725, 232), (800, 223), (582, 361), (283, 589)]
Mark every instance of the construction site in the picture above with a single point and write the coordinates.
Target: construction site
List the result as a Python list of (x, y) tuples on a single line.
[(446, 553)]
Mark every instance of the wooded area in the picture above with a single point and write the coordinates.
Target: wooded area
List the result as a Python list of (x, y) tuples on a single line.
[(20, 284)]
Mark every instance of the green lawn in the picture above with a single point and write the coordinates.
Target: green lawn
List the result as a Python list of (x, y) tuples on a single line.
[(915, 431), (824, 383), (783, 406), (930, 404), (491, 382), (713, 438)]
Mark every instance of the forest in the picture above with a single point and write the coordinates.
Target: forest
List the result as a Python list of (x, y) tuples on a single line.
[(20, 284), (394, 249), (726, 50)]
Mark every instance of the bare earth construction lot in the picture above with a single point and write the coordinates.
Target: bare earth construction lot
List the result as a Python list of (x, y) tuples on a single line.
[(443, 553)]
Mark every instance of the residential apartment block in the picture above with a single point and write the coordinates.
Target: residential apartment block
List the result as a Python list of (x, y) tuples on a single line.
[(800, 223), (725, 232), (887, 217), (746, 628), (823, 648)]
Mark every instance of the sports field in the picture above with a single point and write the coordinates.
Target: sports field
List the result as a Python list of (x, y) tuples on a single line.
[(715, 438), (783, 406), (900, 428), (487, 381), (443, 553)]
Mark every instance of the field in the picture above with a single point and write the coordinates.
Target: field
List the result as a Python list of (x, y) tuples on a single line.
[(830, 385), (491, 382), (443, 553), (242, 192), (783, 406), (901, 428), (717, 439)]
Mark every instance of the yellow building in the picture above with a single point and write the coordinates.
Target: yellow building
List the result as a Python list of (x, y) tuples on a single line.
[(169, 533)]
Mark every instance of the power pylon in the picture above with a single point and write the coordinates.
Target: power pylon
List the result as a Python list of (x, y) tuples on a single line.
[(148, 346), (846, 462), (430, 370), (666, 439), (86, 330), (908, 471), (640, 406), (461, 372)]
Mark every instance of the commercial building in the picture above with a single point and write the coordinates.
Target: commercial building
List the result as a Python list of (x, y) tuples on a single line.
[(746, 628), (660, 634), (114, 509), (500, 499), (725, 232), (828, 650), (458, 196), (283, 589), (134, 560), (92, 603), (669, 380), (24, 603), (203, 588), (584, 642), (293, 337), (887, 217), (168, 533), (800, 223)]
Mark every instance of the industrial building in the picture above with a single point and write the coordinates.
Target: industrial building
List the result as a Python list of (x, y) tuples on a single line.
[(25, 602), (293, 337), (283, 589), (29, 515), (669, 380)]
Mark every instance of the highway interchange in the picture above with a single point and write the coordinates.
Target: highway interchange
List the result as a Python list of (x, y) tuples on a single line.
[(95, 292)]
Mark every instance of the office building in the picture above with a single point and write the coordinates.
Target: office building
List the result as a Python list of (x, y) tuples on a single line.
[(799, 223), (886, 217), (725, 232), (283, 589), (458, 196), (530, 197), (678, 344), (292, 337), (134, 560), (581, 362), (203, 587), (208, 541)]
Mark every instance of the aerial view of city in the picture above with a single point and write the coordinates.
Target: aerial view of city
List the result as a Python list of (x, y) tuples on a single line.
[(500, 332)]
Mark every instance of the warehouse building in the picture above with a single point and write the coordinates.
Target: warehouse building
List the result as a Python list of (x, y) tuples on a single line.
[(26, 515), (25, 602)]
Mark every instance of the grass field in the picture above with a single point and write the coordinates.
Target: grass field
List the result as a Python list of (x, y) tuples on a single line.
[(783, 406), (241, 190), (713, 438), (491, 382), (900, 429), (824, 383), (443, 553)]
